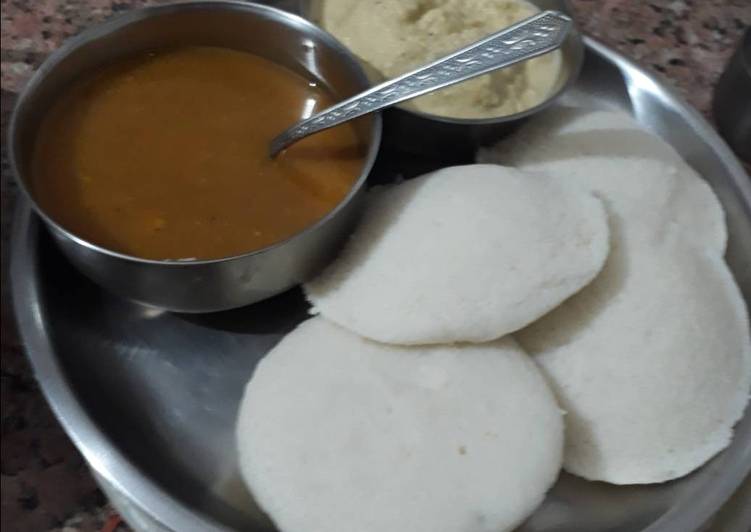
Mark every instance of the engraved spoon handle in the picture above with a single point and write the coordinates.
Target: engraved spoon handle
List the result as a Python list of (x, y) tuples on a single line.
[(529, 38)]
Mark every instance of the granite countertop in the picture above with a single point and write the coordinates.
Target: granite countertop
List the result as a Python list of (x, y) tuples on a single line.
[(45, 483)]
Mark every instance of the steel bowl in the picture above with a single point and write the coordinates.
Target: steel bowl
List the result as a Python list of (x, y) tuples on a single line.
[(407, 129), (201, 285)]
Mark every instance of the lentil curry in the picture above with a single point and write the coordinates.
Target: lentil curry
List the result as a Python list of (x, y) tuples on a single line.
[(165, 155)]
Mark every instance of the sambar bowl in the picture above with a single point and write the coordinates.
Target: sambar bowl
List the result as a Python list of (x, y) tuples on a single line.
[(217, 284)]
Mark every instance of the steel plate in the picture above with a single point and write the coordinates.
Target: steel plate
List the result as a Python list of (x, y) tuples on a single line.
[(150, 397)]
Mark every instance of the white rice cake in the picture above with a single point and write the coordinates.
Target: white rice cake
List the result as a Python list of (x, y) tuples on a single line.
[(467, 253), (650, 192), (651, 362), (341, 434)]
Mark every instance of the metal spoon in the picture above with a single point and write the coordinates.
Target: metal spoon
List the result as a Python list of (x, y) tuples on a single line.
[(529, 38)]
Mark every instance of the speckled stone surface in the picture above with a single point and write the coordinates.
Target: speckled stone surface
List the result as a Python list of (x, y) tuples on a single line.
[(45, 484)]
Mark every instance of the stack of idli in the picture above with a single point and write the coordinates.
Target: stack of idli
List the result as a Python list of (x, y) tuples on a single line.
[(380, 414), (652, 360), (464, 254), (405, 404)]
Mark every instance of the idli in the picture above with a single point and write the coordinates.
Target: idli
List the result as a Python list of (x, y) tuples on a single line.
[(646, 186), (651, 362), (467, 253), (338, 433)]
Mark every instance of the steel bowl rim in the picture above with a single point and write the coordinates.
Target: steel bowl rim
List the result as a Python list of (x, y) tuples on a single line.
[(123, 20), (110, 463)]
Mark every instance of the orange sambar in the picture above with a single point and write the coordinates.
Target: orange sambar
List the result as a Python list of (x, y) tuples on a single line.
[(165, 155)]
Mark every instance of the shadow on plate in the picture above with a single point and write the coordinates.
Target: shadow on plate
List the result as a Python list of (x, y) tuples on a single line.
[(277, 315)]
